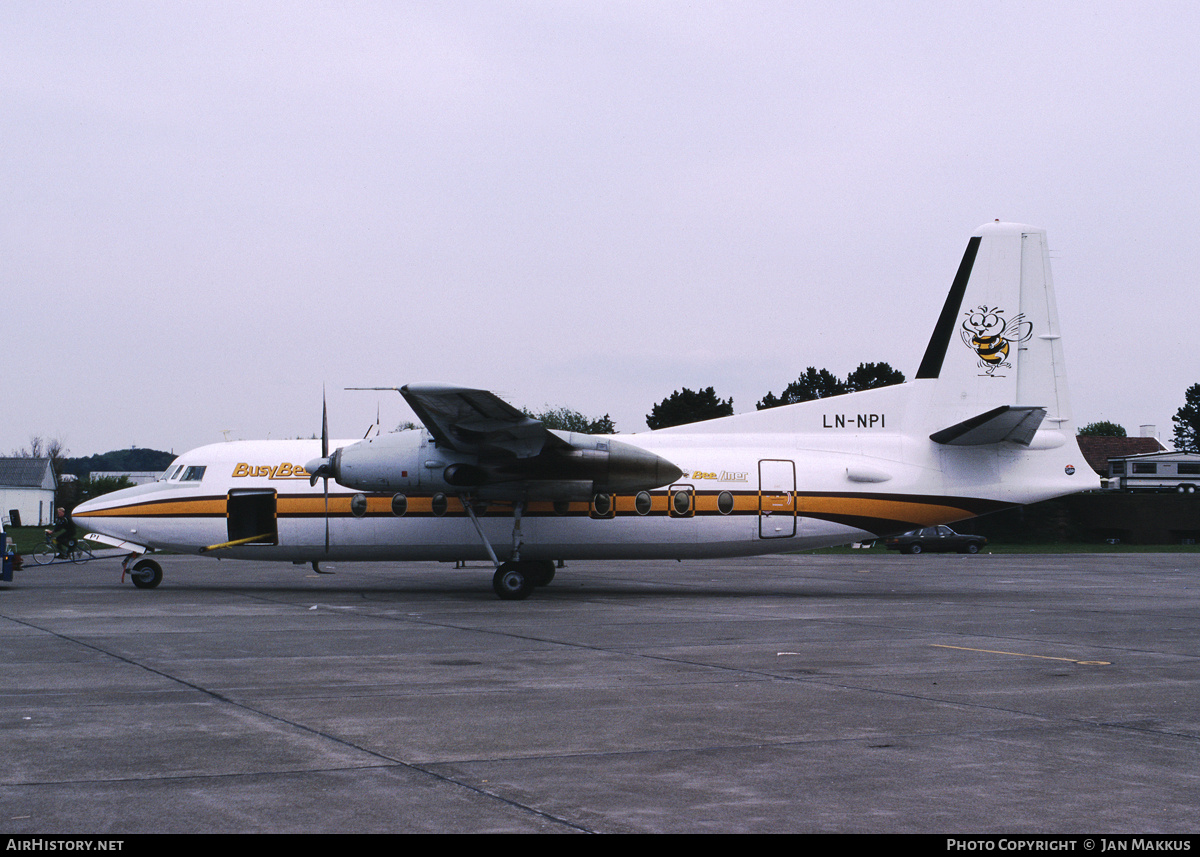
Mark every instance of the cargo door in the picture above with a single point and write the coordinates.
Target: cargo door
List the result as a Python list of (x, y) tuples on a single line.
[(251, 514)]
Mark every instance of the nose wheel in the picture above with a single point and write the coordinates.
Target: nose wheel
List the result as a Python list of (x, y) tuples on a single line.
[(146, 574)]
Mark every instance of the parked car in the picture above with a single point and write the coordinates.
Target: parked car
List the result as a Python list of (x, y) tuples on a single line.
[(940, 538)]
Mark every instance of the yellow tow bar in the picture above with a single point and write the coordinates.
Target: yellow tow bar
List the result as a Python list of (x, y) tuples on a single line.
[(237, 542)]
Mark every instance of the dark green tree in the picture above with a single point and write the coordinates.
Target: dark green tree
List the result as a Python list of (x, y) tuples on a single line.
[(813, 384), (132, 460), (869, 376), (1187, 421), (89, 488), (565, 419), (821, 384), (686, 406), (1103, 428)]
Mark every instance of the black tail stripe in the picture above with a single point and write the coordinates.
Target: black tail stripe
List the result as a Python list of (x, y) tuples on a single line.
[(935, 353)]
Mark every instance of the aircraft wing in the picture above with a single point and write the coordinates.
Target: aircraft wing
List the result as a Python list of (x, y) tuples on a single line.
[(477, 421)]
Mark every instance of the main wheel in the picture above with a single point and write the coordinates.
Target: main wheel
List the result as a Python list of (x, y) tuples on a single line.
[(146, 574), (542, 571), (513, 582)]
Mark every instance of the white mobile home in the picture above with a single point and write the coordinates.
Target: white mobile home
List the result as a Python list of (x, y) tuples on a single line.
[(1159, 471)]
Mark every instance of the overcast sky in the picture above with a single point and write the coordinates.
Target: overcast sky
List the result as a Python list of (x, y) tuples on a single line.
[(211, 210)]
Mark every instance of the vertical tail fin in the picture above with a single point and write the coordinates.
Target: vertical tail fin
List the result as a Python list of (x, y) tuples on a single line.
[(996, 343)]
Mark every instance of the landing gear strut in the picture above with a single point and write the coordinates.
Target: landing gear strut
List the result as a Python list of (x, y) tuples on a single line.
[(515, 579)]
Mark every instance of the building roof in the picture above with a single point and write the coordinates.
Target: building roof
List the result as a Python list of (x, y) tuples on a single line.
[(26, 473), (1098, 450)]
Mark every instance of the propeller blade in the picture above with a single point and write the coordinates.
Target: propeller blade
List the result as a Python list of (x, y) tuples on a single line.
[(325, 455), (319, 468), (324, 427)]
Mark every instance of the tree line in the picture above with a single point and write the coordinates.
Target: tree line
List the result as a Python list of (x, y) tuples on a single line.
[(691, 406), (688, 406)]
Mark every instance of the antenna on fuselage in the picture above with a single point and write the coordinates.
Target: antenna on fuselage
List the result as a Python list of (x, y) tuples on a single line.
[(378, 431)]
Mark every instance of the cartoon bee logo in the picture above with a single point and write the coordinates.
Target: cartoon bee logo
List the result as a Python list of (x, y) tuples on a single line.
[(986, 332)]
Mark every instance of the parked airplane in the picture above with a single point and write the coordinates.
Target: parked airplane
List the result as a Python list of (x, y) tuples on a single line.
[(985, 424)]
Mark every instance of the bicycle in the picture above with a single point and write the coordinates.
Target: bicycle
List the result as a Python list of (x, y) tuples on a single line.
[(78, 551)]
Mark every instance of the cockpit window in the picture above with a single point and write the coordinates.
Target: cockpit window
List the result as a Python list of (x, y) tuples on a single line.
[(193, 474)]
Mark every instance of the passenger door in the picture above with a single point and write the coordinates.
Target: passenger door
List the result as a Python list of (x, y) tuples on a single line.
[(776, 498)]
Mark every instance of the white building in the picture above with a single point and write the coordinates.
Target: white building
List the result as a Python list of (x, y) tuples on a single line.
[(27, 487), (135, 477)]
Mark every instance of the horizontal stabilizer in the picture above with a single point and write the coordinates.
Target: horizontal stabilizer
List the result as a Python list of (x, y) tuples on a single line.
[(1015, 423)]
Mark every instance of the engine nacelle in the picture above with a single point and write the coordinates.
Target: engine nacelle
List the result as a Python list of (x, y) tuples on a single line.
[(398, 462), (408, 461)]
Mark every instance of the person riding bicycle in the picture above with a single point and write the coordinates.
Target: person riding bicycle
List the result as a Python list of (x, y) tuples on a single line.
[(66, 541)]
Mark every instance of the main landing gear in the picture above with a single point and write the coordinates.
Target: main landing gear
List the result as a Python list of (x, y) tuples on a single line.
[(515, 580)]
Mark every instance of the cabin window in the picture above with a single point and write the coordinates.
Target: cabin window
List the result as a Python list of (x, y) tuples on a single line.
[(1144, 467), (602, 506), (681, 502), (440, 504), (561, 507), (358, 505), (1118, 468), (1189, 468), (725, 502), (399, 505), (642, 503), (193, 474)]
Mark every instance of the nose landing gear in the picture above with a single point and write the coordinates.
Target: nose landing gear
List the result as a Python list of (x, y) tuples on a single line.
[(146, 574)]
